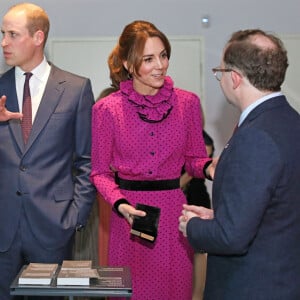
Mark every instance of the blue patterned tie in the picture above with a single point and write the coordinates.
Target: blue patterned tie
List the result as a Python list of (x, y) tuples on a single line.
[(26, 123)]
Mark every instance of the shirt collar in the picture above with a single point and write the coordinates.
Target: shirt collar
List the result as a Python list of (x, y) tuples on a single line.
[(41, 72), (246, 112)]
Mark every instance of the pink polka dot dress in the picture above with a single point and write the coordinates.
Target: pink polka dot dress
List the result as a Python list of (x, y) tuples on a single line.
[(149, 138)]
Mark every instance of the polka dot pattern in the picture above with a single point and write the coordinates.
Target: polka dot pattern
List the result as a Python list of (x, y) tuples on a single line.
[(141, 150)]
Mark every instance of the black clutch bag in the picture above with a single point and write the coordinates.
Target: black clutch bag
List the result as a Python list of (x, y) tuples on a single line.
[(146, 227)]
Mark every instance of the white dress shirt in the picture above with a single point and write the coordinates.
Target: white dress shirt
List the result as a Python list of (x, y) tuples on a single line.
[(37, 84)]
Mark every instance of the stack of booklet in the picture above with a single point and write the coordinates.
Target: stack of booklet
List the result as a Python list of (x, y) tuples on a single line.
[(76, 272), (38, 273)]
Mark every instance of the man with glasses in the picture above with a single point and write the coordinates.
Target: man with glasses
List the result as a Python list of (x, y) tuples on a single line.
[(252, 236)]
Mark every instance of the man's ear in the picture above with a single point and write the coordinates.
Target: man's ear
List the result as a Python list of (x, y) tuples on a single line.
[(236, 79), (39, 37)]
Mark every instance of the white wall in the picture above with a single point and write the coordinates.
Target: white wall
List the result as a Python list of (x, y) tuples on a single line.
[(90, 57), (101, 18)]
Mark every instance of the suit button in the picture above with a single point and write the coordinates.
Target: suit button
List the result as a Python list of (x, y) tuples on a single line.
[(18, 193), (23, 168)]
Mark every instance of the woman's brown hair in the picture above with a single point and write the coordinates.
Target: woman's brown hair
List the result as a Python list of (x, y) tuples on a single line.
[(130, 48)]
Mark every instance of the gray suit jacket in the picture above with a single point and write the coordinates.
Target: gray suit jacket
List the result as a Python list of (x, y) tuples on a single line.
[(254, 240), (49, 177)]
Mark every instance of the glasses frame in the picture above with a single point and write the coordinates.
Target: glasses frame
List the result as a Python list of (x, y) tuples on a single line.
[(218, 70)]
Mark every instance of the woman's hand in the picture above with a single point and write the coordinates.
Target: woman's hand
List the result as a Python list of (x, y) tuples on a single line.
[(210, 170), (129, 212)]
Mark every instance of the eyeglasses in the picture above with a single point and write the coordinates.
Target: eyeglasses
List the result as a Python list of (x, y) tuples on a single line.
[(218, 72)]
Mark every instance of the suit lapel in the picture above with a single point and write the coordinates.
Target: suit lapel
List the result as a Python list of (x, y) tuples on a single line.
[(8, 88), (51, 97)]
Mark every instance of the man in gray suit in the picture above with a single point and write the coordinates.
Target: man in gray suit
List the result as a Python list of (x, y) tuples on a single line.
[(45, 191), (253, 234)]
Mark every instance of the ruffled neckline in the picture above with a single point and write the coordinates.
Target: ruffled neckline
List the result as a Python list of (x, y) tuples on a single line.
[(150, 108)]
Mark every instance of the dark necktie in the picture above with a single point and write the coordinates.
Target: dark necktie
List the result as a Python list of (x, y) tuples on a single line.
[(26, 123)]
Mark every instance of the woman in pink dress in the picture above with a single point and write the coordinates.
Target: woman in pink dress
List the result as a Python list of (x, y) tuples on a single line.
[(142, 136)]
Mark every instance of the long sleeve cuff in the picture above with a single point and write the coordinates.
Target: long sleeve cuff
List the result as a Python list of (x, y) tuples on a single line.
[(204, 170), (118, 203)]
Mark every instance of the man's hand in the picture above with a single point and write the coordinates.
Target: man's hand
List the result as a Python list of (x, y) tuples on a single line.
[(190, 211), (6, 115), (198, 211)]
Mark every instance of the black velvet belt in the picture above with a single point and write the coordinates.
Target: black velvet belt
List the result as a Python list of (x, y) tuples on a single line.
[(147, 185)]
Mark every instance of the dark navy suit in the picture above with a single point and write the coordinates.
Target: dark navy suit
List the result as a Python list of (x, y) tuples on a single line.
[(254, 239), (44, 186)]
